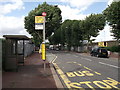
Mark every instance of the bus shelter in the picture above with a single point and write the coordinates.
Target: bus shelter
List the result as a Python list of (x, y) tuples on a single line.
[(14, 51)]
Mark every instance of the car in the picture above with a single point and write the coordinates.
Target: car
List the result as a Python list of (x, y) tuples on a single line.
[(99, 52)]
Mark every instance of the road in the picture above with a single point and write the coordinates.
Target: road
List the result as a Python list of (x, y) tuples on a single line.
[(77, 70)]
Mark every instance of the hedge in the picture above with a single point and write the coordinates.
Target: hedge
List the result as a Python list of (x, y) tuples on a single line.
[(114, 48)]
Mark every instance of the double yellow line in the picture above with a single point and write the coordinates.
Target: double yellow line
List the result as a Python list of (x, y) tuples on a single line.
[(61, 74)]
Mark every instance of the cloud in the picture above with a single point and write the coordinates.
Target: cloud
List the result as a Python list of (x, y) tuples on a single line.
[(10, 6), (79, 3), (71, 13), (74, 8), (12, 25), (110, 1)]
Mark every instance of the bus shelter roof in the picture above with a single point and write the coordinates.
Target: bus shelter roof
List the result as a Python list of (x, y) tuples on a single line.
[(16, 37)]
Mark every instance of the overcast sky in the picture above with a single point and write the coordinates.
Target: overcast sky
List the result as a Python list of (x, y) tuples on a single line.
[(12, 13)]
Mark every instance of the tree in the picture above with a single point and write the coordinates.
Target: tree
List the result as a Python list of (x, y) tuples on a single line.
[(93, 24), (76, 33), (112, 14), (53, 20), (56, 37), (66, 33)]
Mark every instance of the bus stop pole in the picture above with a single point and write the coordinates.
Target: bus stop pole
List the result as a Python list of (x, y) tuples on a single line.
[(44, 41)]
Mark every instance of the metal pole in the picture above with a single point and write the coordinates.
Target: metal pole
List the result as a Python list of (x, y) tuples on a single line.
[(44, 40), (44, 31)]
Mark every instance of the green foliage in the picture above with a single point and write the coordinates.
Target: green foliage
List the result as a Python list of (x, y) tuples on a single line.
[(76, 33), (112, 14), (93, 24), (53, 20), (55, 38), (113, 48), (73, 32)]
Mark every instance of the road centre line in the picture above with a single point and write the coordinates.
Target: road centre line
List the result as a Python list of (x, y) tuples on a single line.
[(86, 59), (109, 65)]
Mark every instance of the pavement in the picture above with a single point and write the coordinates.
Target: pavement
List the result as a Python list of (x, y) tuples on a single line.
[(32, 75)]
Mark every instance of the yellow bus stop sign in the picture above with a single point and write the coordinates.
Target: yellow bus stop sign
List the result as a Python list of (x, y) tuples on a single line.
[(39, 19), (43, 52)]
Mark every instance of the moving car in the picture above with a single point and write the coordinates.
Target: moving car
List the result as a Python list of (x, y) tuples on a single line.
[(99, 52)]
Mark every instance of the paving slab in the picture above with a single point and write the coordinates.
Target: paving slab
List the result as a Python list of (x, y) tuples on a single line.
[(31, 75)]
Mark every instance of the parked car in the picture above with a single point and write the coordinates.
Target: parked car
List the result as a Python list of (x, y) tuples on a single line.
[(99, 52)]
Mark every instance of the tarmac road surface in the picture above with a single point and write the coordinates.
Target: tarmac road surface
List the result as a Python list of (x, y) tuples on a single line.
[(80, 71)]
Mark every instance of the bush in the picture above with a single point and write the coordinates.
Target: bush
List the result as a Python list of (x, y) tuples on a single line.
[(114, 48)]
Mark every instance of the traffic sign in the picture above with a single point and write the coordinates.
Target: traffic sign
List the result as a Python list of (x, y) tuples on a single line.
[(39, 26), (39, 19), (44, 13)]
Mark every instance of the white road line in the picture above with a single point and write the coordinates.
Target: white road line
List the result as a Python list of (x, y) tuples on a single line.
[(102, 59), (76, 56), (54, 59), (109, 65), (86, 59), (68, 54)]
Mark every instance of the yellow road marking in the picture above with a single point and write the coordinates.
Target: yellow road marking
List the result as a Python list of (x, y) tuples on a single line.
[(97, 73), (88, 84), (74, 62), (91, 70), (102, 84), (69, 62), (87, 68), (62, 75), (79, 64)]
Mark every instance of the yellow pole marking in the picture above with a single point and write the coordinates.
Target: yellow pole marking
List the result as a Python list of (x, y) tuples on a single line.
[(88, 84), (43, 52), (62, 75), (102, 85), (74, 62)]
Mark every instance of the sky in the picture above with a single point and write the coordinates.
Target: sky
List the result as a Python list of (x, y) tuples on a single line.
[(12, 13)]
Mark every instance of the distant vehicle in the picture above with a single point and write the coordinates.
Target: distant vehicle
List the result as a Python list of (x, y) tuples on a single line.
[(99, 52), (51, 47), (57, 49)]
